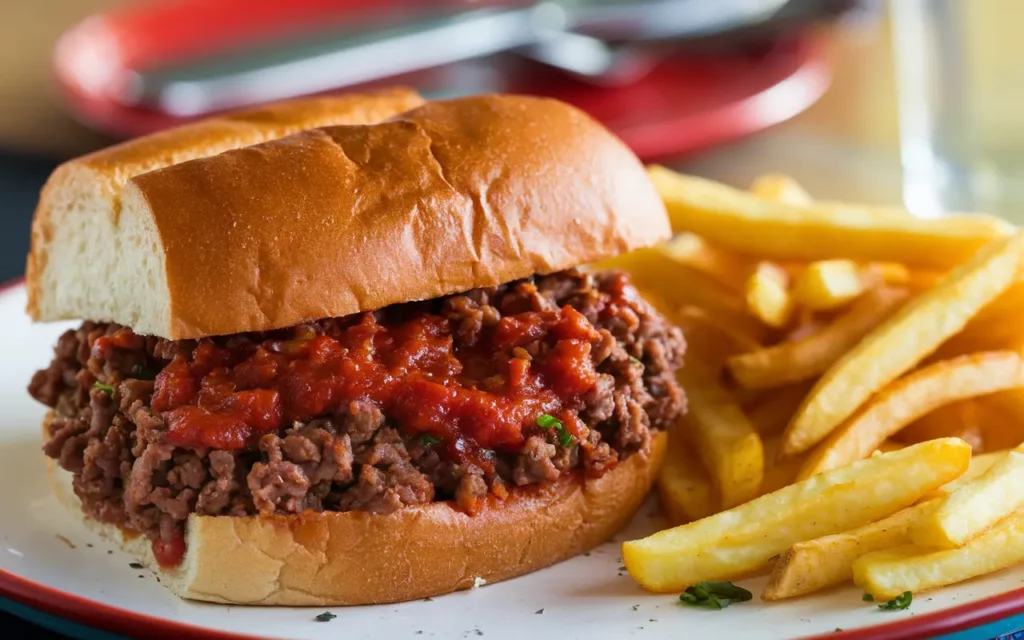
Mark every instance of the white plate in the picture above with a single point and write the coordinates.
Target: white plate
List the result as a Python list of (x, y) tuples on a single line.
[(49, 561)]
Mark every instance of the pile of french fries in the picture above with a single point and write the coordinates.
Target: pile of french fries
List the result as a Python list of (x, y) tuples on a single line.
[(855, 378)]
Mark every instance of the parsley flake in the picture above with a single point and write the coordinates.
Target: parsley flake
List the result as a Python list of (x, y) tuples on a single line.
[(103, 387), (714, 595), (636, 363), (326, 616), (550, 422), (898, 603), (426, 439), (867, 597)]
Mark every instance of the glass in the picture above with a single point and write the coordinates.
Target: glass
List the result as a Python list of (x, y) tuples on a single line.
[(960, 83)]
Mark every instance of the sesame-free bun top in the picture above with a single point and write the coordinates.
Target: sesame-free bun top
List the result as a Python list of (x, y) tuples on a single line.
[(445, 198), (70, 272)]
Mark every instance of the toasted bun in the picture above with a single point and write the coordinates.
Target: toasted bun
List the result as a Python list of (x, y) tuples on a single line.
[(361, 558), (445, 198), (79, 212)]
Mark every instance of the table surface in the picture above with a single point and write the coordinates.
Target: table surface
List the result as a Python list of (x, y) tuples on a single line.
[(844, 147)]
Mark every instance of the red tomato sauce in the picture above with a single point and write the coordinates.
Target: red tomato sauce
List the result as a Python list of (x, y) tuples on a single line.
[(169, 553), (226, 393)]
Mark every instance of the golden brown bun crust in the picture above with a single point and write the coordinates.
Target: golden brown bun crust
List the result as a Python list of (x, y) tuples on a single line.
[(237, 129), (353, 558), (445, 198), (106, 171)]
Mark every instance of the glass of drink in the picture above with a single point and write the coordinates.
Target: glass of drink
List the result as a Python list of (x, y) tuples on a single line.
[(959, 68)]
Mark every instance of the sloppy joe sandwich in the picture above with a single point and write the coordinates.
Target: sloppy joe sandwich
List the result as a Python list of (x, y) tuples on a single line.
[(358, 363)]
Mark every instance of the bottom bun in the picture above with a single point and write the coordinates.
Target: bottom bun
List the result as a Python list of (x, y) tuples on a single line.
[(356, 557)]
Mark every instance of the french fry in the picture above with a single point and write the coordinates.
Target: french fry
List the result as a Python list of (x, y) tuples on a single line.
[(759, 226), (987, 336), (771, 415), (767, 295), (741, 540), (748, 398), (777, 473), (712, 339), (676, 285), (904, 340), (974, 507), (889, 446), (829, 284), (886, 574), (781, 188), (979, 464), (1001, 424), (806, 324), (923, 279), (959, 419), (912, 397), (811, 566), (889, 273), (804, 359), (684, 486), (729, 269), (1005, 309), (728, 445)]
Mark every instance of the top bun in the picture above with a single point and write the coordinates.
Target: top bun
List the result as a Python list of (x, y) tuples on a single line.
[(444, 198), (80, 206)]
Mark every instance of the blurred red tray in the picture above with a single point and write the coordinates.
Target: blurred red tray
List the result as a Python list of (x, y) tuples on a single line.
[(686, 103)]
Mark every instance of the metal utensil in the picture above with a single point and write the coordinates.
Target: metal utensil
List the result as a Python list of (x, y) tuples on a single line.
[(601, 41)]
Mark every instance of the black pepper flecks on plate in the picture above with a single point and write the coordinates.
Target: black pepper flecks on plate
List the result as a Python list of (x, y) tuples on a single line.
[(136, 565), (326, 616), (538, 612)]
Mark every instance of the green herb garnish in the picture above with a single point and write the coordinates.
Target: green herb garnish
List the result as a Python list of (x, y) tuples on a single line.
[(326, 616), (140, 372), (635, 362), (103, 387), (898, 603), (426, 439), (867, 597), (714, 595), (548, 421), (565, 438)]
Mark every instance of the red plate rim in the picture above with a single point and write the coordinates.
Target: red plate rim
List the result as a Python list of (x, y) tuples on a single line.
[(89, 99), (132, 623)]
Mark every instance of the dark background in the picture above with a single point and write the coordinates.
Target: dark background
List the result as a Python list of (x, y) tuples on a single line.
[(21, 177)]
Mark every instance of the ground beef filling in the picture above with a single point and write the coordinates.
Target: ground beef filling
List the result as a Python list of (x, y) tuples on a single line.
[(449, 399)]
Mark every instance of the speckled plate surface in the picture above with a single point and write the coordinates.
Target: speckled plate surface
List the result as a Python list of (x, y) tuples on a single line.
[(50, 563)]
